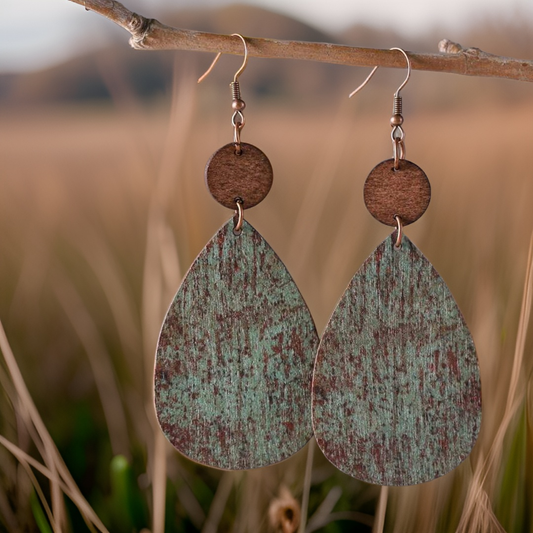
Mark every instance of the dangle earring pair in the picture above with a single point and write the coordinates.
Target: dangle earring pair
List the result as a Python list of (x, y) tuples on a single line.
[(395, 387)]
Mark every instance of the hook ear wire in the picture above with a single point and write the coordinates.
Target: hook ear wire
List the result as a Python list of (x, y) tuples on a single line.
[(208, 71), (241, 69), (245, 60), (397, 93), (368, 78)]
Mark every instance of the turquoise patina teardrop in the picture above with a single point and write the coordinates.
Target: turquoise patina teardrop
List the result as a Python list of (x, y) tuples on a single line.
[(396, 387), (235, 357)]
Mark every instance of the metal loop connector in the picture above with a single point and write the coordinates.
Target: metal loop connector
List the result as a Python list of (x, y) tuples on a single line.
[(239, 213), (399, 232), (237, 120), (398, 148), (397, 134), (238, 124)]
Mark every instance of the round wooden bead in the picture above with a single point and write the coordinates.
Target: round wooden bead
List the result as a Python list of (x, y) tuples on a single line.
[(247, 175), (404, 192)]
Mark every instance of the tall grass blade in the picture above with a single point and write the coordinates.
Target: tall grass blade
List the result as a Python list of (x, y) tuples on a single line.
[(219, 503), (156, 291), (307, 484), (56, 470), (38, 514), (511, 506), (381, 511), (478, 513), (100, 361)]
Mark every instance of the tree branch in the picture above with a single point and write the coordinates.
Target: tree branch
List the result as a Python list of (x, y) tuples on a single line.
[(149, 34)]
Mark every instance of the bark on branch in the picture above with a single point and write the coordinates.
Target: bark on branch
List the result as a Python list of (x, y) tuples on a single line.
[(150, 34)]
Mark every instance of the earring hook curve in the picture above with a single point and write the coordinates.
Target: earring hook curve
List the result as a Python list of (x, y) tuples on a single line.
[(369, 77), (242, 67), (397, 93), (245, 60)]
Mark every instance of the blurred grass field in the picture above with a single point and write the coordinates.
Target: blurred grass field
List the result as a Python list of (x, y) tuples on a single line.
[(103, 208)]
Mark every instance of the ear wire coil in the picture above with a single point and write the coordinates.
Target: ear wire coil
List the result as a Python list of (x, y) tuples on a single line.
[(235, 90), (397, 107)]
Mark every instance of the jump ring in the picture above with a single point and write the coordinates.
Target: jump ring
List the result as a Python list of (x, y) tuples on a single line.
[(238, 125), (240, 216), (238, 119), (237, 141), (396, 156), (399, 232), (398, 149)]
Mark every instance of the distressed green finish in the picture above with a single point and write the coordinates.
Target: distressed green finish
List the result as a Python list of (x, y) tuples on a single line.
[(235, 357), (396, 388)]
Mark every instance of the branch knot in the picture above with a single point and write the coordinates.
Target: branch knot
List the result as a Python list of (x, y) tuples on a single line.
[(449, 47), (139, 27)]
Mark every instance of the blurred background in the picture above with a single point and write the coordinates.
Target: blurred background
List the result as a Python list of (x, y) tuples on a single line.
[(103, 208)]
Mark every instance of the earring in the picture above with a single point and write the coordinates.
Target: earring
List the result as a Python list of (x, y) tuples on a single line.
[(396, 394), (235, 354)]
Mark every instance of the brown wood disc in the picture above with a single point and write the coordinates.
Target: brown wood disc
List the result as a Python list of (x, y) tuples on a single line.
[(405, 192), (230, 176)]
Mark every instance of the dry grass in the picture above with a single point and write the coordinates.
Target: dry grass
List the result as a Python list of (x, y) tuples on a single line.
[(104, 209)]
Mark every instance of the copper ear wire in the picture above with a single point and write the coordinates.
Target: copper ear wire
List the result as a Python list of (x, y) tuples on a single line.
[(397, 134), (217, 57), (238, 105), (369, 77)]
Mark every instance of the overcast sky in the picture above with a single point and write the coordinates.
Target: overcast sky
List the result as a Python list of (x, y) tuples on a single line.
[(36, 33)]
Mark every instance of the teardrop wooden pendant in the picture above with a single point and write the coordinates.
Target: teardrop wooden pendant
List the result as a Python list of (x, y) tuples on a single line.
[(396, 387), (235, 357)]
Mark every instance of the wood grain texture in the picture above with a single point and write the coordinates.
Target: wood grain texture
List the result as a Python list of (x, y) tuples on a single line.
[(405, 192), (247, 176), (396, 387), (235, 357)]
